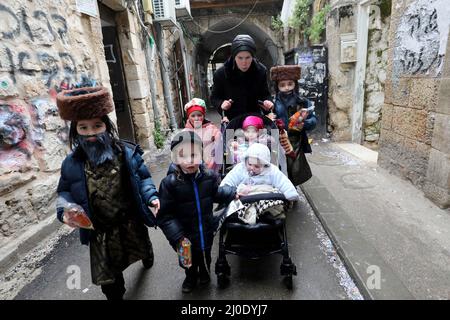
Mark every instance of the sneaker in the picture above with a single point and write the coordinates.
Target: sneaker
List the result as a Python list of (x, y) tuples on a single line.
[(188, 284), (148, 262)]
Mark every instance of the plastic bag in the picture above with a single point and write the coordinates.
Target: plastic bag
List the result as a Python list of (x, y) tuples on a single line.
[(76, 216)]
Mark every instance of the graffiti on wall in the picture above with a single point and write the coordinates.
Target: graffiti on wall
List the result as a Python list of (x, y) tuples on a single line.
[(39, 32), (35, 59), (15, 127), (313, 83), (23, 127), (421, 38)]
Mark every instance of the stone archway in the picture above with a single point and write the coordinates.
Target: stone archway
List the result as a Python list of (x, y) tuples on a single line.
[(269, 52)]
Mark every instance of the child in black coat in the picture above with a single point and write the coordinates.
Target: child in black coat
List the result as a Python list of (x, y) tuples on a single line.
[(187, 195)]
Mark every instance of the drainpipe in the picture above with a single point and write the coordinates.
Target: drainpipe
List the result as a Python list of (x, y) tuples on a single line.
[(165, 77), (151, 71), (360, 70), (186, 66)]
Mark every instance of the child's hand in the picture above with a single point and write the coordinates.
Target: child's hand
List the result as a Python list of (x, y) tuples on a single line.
[(225, 120), (304, 113), (267, 105), (226, 104), (154, 207), (243, 190)]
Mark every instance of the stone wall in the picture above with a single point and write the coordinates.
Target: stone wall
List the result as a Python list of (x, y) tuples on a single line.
[(44, 47), (376, 70), (342, 19), (415, 134)]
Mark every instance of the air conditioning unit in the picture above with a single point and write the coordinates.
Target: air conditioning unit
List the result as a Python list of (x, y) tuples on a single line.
[(164, 12), (183, 9)]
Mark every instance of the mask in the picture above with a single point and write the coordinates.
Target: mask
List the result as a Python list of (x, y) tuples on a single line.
[(99, 151)]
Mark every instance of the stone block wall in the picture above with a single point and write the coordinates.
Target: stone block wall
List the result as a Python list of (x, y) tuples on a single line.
[(415, 134), (45, 47)]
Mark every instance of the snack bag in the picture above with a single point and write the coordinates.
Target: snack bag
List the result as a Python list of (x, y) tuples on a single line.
[(184, 253), (296, 120), (76, 216)]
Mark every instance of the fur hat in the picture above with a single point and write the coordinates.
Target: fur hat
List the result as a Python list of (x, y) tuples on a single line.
[(287, 72), (84, 103), (195, 104)]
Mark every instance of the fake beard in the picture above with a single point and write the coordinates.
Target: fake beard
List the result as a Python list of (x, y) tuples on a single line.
[(287, 94), (98, 151)]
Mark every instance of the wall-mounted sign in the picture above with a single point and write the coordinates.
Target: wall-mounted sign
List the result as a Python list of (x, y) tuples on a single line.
[(348, 47), (88, 7)]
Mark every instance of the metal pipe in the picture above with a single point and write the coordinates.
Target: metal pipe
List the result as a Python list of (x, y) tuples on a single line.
[(165, 77)]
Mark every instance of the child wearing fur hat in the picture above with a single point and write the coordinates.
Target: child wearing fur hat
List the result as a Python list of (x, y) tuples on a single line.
[(253, 129), (292, 110), (106, 179), (256, 170), (187, 196), (209, 133)]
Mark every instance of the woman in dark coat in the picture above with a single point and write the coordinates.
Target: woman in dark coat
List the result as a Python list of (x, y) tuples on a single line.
[(187, 196), (240, 85), (108, 180)]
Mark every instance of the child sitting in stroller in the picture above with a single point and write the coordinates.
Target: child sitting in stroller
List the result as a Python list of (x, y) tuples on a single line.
[(257, 175), (253, 128)]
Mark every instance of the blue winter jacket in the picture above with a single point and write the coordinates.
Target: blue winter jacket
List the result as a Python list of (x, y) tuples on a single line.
[(73, 188), (187, 206)]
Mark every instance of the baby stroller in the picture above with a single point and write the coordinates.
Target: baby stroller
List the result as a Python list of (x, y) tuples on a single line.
[(253, 241)]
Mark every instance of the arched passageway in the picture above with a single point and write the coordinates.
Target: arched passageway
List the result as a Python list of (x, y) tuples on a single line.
[(214, 46)]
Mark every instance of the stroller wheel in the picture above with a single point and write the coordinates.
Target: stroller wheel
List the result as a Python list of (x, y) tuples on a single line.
[(222, 280), (288, 282)]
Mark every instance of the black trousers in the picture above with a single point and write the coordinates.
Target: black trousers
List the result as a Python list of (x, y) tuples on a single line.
[(198, 264), (116, 290)]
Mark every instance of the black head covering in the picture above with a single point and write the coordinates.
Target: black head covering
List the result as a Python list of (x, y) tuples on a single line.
[(185, 136), (243, 42)]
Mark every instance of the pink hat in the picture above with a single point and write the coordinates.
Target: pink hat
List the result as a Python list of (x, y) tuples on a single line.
[(254, 121)]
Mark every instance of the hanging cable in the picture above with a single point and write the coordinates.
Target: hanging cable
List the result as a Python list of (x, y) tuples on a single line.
[(232, 28)]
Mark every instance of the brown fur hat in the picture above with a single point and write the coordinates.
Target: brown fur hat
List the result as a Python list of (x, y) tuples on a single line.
[(287, 72), (84, 103)]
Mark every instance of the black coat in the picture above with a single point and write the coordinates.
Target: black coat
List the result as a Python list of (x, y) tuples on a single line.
[(73, 188), (244, 88), (179, 213)]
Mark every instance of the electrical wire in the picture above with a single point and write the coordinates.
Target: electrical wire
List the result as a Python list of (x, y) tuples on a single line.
[(144, 27), (232, 28)]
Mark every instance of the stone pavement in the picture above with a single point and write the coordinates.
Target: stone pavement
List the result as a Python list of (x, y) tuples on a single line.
[(394, 241)]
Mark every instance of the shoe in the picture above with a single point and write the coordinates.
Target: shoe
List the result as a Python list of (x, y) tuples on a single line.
[(204, 279), (148, 262), (188, 284)]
